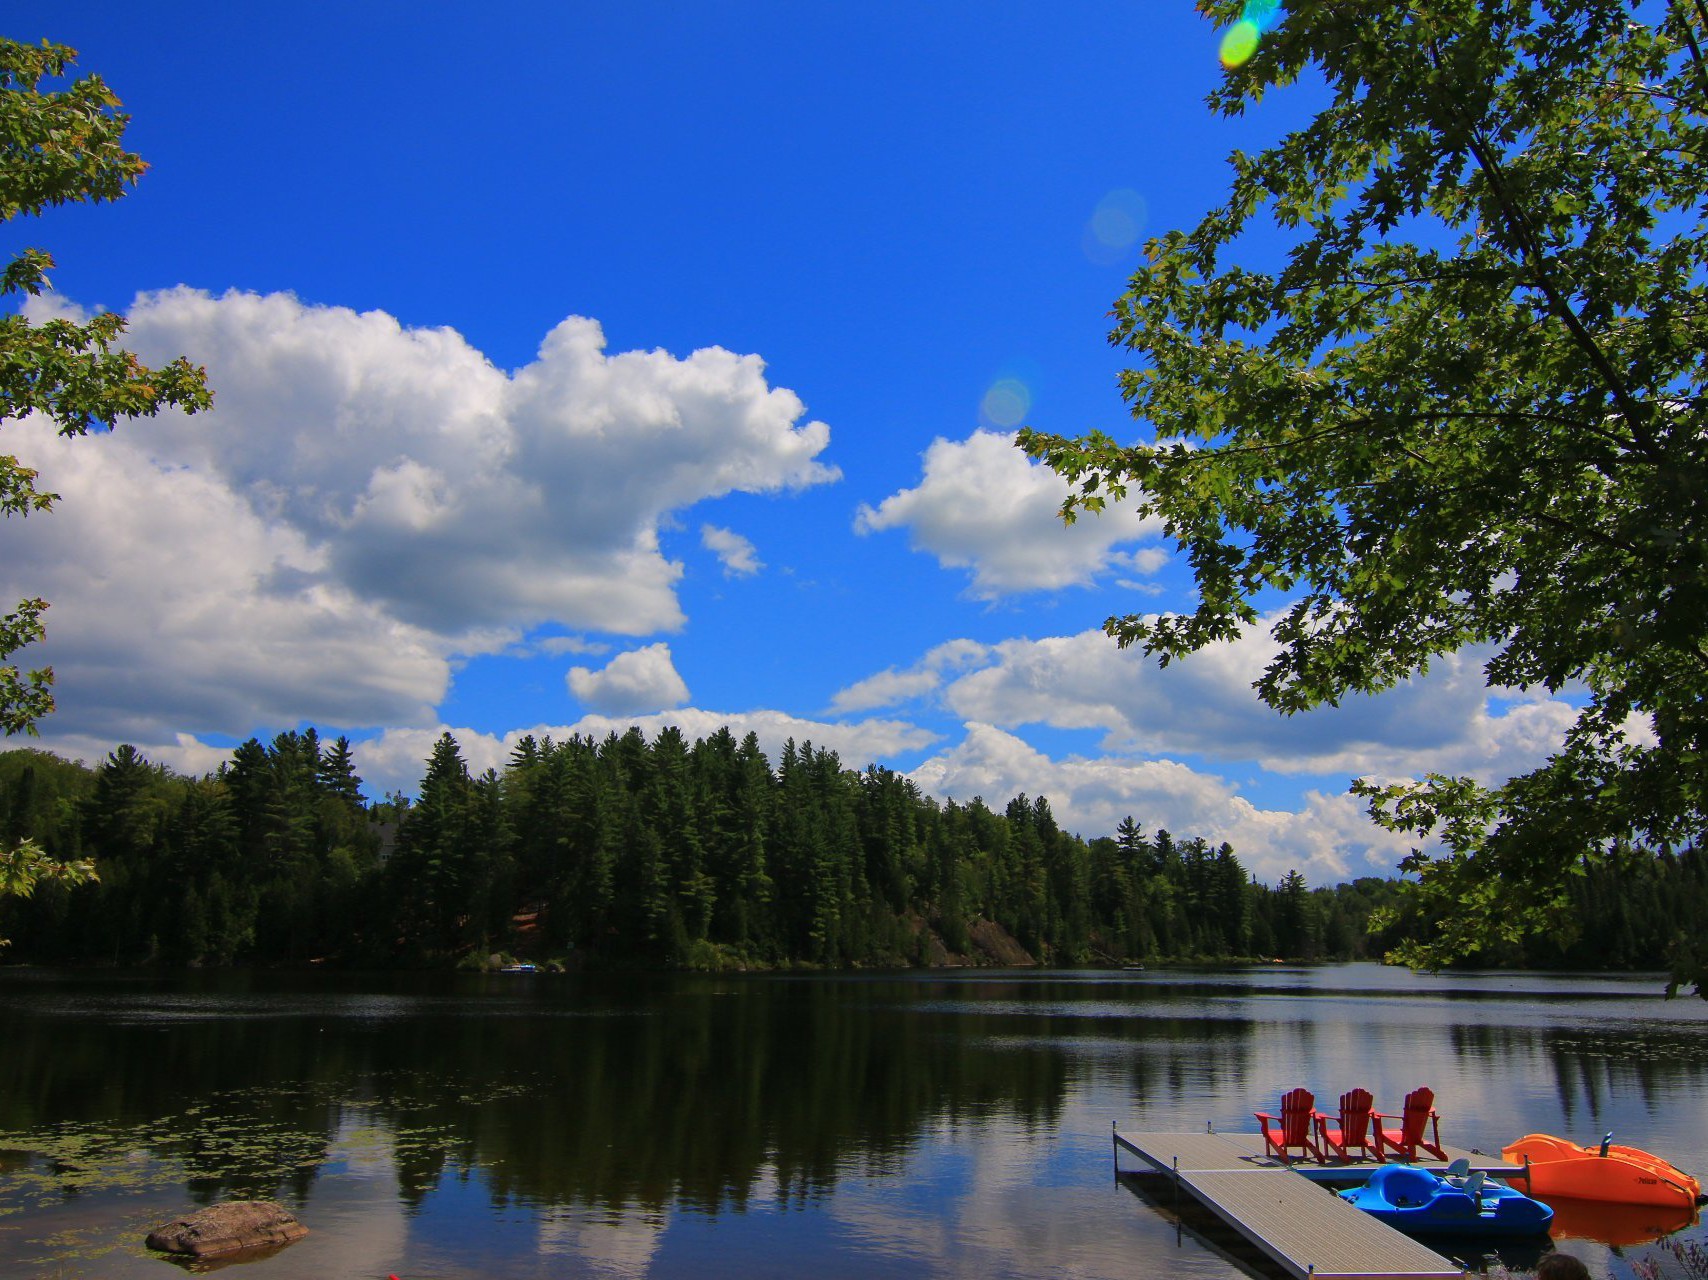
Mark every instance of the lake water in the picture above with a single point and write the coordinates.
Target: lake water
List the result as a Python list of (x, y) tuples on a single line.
[(934, 1124)]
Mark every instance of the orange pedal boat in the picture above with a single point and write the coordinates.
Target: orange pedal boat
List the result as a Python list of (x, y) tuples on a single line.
[(1621, 1175)]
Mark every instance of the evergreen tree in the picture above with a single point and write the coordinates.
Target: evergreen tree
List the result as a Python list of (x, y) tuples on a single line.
[(1229, 904), (340, 816), (435, 866), (631, 852), (1297, 929)]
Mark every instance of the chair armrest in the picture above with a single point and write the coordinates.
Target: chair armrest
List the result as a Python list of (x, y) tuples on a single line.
[(1376, 1140)]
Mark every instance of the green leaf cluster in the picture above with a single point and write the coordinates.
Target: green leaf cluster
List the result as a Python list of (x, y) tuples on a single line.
[(61, 143), (1464, 409), (24, 865)]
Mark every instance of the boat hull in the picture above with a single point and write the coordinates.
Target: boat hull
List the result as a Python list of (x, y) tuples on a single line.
[(1420, 1203), (1624, 1175)]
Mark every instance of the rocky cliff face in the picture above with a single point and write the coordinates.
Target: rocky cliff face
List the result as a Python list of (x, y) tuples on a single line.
[(990, 946), (994, 945)]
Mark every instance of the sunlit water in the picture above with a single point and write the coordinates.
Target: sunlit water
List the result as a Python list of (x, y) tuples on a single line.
[(902, 1125)]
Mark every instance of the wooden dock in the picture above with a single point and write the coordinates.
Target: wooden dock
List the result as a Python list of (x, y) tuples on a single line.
[(1307, 1230)]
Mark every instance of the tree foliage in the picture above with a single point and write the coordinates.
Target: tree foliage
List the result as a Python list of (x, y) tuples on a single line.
[(1464, 412), (61, 143), (617, 851), (23, 866), (624, 852)]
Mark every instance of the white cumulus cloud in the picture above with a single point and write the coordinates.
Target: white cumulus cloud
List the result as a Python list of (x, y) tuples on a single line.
[(1329, 841), (738, 555), (397, 759), (857, 742), (366, 504), (1205, 705), (983, 505), (641, 680), (893, 686), (178, 605)]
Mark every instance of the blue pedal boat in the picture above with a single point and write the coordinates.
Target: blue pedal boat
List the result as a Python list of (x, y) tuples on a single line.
[(1419, 1202)]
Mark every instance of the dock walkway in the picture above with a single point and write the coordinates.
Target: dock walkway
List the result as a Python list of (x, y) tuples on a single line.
[(1307, 1230)]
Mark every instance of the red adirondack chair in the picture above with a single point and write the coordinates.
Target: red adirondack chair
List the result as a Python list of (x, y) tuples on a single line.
[(1408, 1139), (1353, 1133), (1297, 1107)]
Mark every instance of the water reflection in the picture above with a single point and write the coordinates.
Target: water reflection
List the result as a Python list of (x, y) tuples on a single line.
[(1599, 1072), (1617, 1224), (914, 1125), (580, 1096)]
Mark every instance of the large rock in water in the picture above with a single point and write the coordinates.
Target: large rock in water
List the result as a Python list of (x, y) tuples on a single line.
[(226, 1228)]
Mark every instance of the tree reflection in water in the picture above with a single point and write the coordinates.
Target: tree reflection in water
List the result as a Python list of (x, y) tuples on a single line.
[(837, 1123)]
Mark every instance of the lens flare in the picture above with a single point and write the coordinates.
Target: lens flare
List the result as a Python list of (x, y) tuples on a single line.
[(1007, 403), (1263, 14), (1114, 226), (1240, 42)]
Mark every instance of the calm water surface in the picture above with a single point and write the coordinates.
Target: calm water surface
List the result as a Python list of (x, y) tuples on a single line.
[(907, 1125)]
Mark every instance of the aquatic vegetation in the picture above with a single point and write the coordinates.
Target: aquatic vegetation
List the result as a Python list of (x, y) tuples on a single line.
[(1691, 1257)]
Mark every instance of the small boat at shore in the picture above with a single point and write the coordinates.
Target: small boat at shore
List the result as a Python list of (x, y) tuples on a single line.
[(1419, 1202), (1610, 1173)]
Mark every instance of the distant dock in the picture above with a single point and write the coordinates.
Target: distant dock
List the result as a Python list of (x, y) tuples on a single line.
[(1307, 1230)]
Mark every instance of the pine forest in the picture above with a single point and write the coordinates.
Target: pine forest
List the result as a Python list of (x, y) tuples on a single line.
[(668, 854)]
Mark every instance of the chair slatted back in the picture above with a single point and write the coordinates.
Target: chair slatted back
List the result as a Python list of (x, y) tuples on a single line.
[(1355, 1107), (1296, 1108), (1417, 1108)]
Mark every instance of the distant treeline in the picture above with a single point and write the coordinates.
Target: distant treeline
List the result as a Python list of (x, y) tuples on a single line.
[(625, 852)]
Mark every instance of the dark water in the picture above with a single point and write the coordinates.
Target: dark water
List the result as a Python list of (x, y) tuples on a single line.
[(832, 1126)]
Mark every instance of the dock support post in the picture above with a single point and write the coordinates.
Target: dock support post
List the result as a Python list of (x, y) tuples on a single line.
[(1178, 1224)]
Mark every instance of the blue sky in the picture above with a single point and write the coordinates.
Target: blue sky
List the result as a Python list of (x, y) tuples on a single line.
[(578, 366)]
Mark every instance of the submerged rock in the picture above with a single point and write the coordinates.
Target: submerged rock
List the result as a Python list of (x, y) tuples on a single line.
[(226, 1228)]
